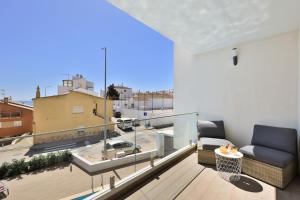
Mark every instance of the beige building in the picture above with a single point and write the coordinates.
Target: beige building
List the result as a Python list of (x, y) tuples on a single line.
[(73, 110)]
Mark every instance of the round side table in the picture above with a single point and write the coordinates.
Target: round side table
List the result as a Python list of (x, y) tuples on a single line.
[(229, 166)]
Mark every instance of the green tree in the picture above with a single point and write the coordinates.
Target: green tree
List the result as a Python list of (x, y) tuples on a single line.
[(112, 93)]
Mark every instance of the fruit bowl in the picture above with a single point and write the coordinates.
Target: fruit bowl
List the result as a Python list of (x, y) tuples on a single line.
[(223, 150)]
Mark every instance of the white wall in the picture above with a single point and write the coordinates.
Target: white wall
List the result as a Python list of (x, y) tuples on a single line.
[(262, 88)]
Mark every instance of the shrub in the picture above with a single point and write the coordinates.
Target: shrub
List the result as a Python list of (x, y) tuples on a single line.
[(17, 167), (66, 156), (34, 164), (51, 159), (4, 169)]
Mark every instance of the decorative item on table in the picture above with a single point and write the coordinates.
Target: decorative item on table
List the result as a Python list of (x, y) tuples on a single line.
[(228, 149)]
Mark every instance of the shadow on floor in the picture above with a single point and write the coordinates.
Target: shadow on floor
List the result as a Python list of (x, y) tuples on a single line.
[(245, 183), (291, 192), (248, 184)]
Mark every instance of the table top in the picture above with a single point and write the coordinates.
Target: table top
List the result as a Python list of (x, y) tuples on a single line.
[(236, 155)]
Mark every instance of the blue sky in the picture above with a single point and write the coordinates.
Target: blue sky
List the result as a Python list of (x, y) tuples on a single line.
[(40, 40)]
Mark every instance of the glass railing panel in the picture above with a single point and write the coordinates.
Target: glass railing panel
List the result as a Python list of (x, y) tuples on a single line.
[(75, 162)]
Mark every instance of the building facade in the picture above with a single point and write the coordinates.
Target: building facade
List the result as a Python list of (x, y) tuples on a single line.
[(73, 110), (125, 92), (160, 100), (78, 82), (15, 119)]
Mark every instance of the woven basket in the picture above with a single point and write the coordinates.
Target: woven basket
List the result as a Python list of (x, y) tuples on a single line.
[(206, 157)]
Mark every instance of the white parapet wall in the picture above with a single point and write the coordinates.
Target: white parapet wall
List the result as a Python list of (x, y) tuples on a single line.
[(148, 114), (112, 163)]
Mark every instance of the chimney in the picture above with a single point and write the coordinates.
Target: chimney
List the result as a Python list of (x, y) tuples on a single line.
[(6, 100), (38, 92)]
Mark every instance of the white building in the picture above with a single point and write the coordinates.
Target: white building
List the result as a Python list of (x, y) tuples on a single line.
[(262, 88), (125, 92), (79, 83), (146, 101)]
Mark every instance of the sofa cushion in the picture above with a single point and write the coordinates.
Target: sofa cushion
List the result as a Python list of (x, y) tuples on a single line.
[(212, 129), (267, 155), (212, 143), (284, 139)]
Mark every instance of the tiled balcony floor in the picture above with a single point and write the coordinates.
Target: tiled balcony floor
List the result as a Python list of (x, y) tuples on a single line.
[(189, 180)]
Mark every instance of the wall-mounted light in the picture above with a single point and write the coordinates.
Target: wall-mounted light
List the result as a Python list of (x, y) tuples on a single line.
[(235, 56)]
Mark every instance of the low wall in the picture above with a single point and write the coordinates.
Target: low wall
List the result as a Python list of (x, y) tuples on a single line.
[(137, 178), (139, 114), (115, 162), (40, 138)]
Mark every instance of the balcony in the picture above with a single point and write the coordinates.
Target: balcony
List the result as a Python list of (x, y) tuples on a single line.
[(43, 157), (189, 180), (165, 167)]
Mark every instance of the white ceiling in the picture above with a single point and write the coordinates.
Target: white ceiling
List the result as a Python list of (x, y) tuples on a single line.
[(203, 25)]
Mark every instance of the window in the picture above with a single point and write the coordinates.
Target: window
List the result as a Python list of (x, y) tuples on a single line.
[(123, 145), (17, 123), (10, 114), (128, 144), (77, 109), (16, 114), (117, 146), (5, 115), (68, 83), (108, 146)]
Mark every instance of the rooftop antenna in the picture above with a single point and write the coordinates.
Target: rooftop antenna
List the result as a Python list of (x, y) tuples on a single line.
[(46, 89), (2, 92), (67, 75)]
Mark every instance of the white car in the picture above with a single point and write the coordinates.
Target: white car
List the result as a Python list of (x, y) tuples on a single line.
[(124, 123), (135, 122), (121, 145)]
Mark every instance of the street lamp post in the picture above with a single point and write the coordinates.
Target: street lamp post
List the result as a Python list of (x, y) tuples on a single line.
[(105, 100)]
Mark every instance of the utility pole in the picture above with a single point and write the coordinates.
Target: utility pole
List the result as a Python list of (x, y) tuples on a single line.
[(144, 100), (105, 100), (172, 100), (139, 100), (152, 101)]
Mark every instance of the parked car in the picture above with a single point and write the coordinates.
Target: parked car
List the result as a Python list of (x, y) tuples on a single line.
[(124, 123), (117, 114), (121, 145), (135, 122)]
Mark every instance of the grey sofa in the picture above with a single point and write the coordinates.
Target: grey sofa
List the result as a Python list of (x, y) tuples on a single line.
[(211, 135), (272, 156)]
